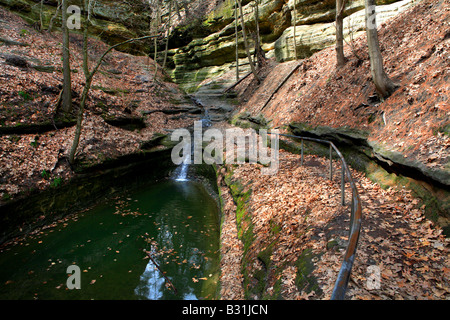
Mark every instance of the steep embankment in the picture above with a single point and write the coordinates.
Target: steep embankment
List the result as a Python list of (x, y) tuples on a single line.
[(293, 227), (408, 133), (128, 110), (112, 21)]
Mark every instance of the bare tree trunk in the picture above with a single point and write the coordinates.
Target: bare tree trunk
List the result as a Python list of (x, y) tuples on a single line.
[(89, 77), (87, 6), (237, 40), (259, 53), (155, 40), (41, 20), (384, 85), (50, 25), (340, 58), (67, 84), (295, 31), (252, 66), (168, 34)]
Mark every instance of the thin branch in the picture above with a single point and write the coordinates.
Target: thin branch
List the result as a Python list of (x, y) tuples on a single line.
[(159, 268), (99, 62)]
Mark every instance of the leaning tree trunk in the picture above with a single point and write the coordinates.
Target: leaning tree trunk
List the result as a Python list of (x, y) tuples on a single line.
[(67, 84), (50, 24), (384, 85), (89, 75)]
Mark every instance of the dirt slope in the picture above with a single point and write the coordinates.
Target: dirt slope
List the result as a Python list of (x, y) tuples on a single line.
[(414, 121), (31, 148)]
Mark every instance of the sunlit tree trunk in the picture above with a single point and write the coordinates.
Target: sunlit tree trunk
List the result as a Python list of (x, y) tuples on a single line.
[(244, 35), (237, 41), (259, 53), (295, 30), (340, 58), (383, 83)]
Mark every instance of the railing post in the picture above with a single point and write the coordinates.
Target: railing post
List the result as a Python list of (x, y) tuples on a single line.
[(331, 162), (342, 184), (301, 161)]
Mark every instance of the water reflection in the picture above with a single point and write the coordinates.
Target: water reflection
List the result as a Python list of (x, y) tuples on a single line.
[(175, 221), (151, 284), (177, 248)]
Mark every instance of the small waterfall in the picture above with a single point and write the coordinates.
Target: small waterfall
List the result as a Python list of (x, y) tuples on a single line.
[(181, 172)]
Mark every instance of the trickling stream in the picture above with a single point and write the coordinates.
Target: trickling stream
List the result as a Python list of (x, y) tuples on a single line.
[(176, 221)]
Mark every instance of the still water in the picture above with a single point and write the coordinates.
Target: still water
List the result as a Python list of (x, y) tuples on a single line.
[(176, 221)]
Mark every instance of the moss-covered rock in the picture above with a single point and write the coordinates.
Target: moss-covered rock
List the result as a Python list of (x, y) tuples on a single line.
[(212, 51)]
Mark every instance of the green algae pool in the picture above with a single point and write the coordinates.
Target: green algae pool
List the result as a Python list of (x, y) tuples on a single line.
[(177, 222)]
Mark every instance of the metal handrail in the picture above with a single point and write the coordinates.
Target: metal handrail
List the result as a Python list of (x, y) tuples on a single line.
[(341, 283)]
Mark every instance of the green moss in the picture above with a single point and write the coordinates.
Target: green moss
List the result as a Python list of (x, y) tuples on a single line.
[(245, 120), (241, 197), (445, 129), (304, 279), (25, 96), (6, 197), (111, 91)]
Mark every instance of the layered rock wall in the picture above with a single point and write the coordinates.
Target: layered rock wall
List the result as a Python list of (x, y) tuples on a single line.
[(214, 54), (202, 46)]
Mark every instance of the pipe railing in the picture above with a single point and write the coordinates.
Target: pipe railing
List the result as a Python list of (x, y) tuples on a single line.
[(341, 283)]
